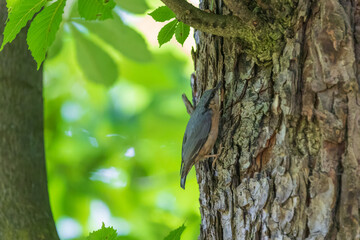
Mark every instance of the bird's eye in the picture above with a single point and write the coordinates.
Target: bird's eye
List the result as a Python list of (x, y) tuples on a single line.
[(212, 94)]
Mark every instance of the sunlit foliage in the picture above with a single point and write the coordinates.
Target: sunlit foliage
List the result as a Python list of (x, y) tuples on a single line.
[(113, 148)]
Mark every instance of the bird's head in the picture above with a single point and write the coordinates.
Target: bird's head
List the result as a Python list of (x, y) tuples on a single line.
[(210, 97)]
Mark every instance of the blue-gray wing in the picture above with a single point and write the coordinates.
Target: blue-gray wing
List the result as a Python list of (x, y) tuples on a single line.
[(196, 134)]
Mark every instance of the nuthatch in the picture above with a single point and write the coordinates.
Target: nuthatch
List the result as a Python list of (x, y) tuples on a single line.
[(201, 131)]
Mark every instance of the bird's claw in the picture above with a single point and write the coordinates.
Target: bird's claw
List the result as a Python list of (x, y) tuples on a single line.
[(216, 156)]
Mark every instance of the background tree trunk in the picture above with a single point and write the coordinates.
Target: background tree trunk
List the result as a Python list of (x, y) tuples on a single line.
[(24, 204), (290, 167)]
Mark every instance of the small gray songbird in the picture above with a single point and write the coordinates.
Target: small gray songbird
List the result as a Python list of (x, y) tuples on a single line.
[(201, 132)]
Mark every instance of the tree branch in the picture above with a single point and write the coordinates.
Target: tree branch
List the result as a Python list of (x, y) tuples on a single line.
[(221, 25), (259, 38)]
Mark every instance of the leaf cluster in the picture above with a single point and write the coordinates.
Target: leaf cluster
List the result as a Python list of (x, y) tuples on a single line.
[(92, 35), (47, 17), (175, 27)]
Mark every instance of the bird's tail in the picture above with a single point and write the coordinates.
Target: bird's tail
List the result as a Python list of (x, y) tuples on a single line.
[(182, 182), (183, 174)]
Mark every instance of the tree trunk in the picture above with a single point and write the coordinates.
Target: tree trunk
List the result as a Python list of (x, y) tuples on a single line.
[(24, 204), (290, 129)]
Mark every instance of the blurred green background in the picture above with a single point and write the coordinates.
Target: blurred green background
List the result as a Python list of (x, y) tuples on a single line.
[(114, 122)]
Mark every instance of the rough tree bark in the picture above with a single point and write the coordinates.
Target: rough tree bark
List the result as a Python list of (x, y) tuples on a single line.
[(24, 204), (290, 126)]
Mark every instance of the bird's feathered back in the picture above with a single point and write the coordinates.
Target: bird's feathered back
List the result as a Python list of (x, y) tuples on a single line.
[(196, 133)]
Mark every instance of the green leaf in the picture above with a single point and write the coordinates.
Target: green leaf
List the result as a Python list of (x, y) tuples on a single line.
[(96, 9), (167, 32), (56, 46), (134, 6), (43, 30), (162, 14), (20, 12), (182, 32), (121, 37), (104, 233), (11, 3), (94, 61), (175, 234)]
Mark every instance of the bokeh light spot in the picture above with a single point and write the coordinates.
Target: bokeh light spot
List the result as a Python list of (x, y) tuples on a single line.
[(130, 152), (71, 111), (129, 98), (116, 178), (68, 228)]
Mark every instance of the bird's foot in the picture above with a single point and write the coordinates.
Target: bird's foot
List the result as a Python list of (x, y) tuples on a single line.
[(216, 156)]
